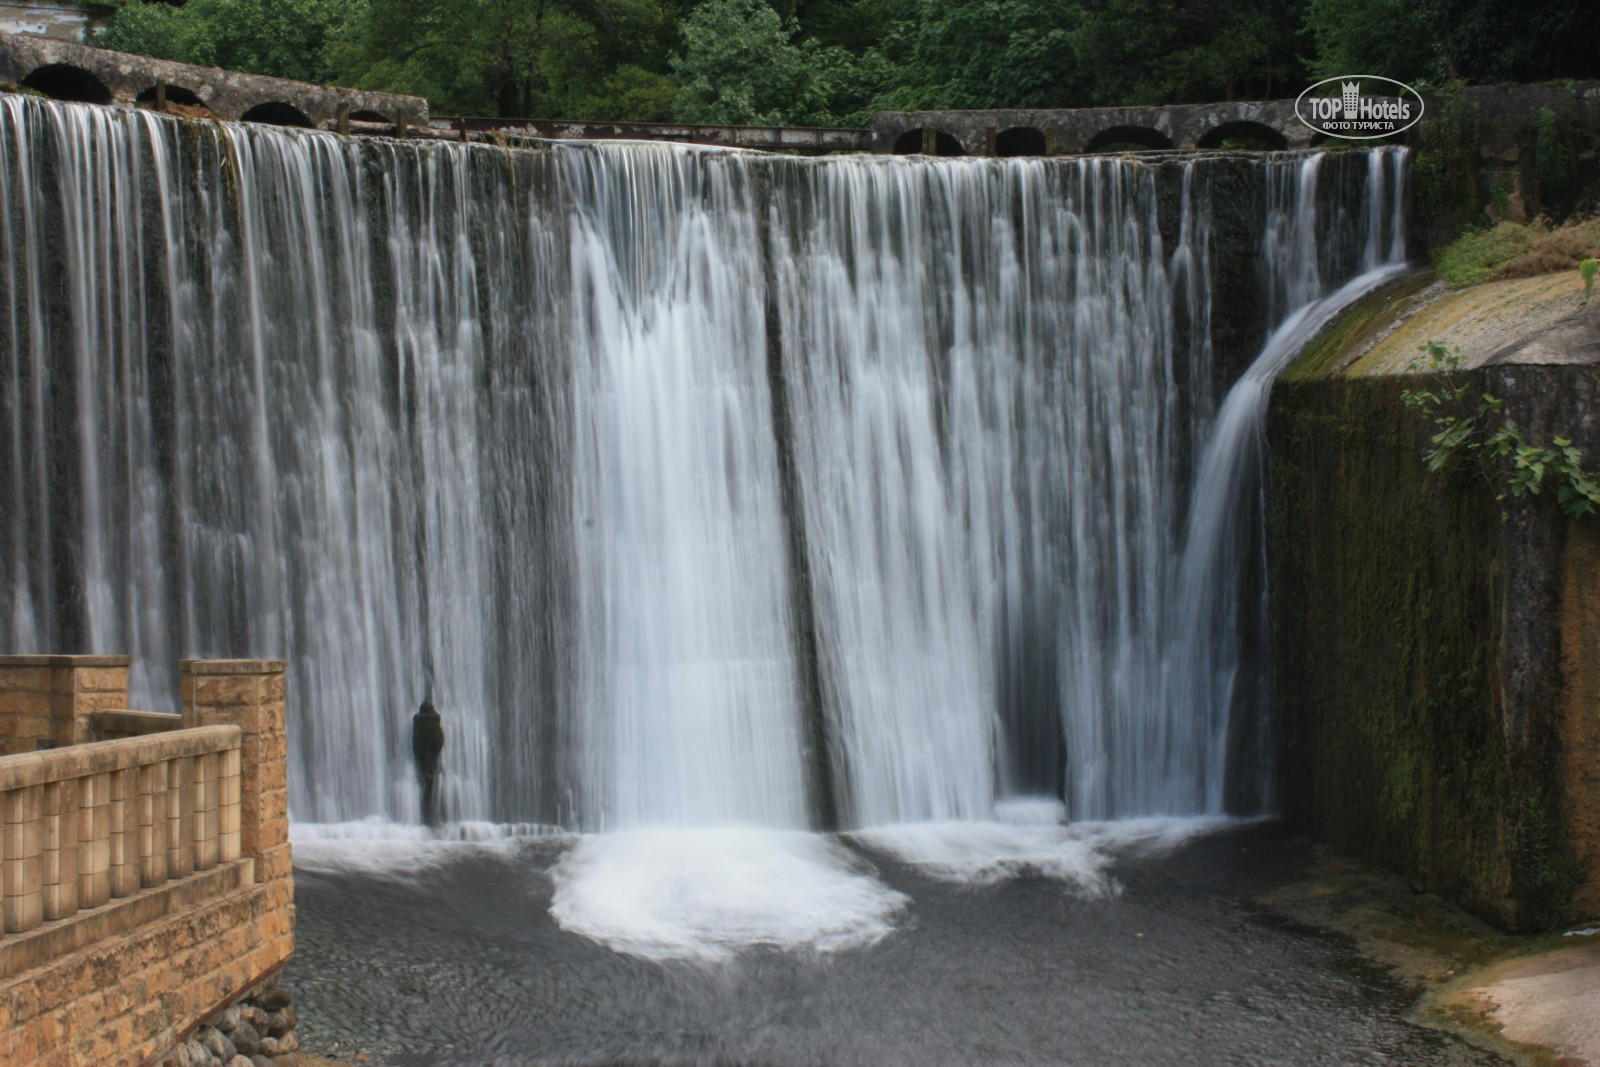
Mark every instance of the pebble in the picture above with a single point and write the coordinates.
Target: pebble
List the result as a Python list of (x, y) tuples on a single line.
[(215, 1043), (227, 1019), (275, 999), (246, 1039)]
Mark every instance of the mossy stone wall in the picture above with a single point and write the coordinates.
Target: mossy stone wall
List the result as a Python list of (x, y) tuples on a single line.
[(1433, 702)]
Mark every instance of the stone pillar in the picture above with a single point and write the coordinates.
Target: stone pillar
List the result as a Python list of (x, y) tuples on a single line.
[(47, 701), (248, 693)]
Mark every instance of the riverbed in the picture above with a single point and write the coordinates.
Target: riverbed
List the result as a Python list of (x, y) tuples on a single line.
[(455, 959)]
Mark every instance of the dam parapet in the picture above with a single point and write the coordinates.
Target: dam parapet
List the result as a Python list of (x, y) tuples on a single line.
[(147, 883)]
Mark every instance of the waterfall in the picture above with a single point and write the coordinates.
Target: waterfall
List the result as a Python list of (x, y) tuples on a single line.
[(693, 486)]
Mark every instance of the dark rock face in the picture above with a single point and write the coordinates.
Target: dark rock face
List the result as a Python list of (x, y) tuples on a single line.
[(1429, 679)]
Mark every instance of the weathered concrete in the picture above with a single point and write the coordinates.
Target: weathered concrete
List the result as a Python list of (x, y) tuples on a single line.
[(1072, 130), (73, 71), (1439, 711), (65, 20)]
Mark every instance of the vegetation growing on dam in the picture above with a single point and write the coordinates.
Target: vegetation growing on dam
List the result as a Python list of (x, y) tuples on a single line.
[(1517, 250)]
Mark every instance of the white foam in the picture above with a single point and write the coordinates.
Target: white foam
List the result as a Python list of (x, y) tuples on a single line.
[(376, 845), (703, 893), (1080, 854)]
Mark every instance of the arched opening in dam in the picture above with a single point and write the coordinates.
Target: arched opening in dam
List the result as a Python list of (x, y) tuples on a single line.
[(836, 575)]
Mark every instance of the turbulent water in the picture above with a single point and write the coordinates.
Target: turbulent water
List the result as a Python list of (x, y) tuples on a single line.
[(694, 487)]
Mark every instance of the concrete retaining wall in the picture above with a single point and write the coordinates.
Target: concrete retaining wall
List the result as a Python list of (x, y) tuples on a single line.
[(1436, 687)]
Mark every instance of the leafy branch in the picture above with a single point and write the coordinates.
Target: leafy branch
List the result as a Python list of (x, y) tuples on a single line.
[(1476, 431)]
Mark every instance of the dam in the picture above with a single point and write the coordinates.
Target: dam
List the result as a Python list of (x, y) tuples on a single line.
[(813, 559)]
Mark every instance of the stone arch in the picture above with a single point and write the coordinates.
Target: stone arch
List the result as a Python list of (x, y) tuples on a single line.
[(277, 113), (910, 144), (1020, 141), (1125, 138), (63, 81), (369, 116), (1246, 135), (176, 94)]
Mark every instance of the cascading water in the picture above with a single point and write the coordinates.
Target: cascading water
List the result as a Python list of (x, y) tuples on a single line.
[(694, 487)]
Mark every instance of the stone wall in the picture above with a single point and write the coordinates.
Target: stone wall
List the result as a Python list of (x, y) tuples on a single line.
[(1437, 698), (174, 845), (46, 701)]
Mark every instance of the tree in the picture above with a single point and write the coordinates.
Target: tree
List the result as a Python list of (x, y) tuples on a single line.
[(533, 58), (283, 38), (743, 65)]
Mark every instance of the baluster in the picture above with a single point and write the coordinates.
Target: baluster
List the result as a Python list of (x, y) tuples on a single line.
[(180, 859), (124, 835), (24, 844), (60, 823), (94, 844), (205, 811), (228, 806), (153, 824)]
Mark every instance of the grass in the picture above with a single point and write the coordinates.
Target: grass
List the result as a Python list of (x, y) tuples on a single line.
[(1517, 250)]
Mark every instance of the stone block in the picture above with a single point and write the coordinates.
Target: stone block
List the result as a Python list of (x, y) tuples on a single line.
[(104, 680), (212, 691), (274, 863), (29, 679), (26, 703)]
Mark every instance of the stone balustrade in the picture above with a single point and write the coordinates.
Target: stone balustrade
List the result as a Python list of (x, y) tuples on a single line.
[(145, 882), (99, 822)]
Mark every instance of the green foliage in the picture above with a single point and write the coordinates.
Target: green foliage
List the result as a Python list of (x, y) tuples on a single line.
[(1040, 53), (744, 63), (836, 61), (283, 38), (1517, 250), (1566, 157), (535, 58), (1587, 270), (1389, 38), (1477, 255), (1447, 168), (1477, 432)]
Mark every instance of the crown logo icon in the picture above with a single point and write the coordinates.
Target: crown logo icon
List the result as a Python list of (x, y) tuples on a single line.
[(1352, 98)]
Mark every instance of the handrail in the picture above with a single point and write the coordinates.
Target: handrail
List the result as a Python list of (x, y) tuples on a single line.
[(93, 822), (101, 757)]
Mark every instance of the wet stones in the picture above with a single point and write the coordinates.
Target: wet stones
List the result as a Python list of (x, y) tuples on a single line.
[(256, 1032)]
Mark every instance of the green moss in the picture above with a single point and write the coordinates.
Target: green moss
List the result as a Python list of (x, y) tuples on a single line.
[(1321, 356)]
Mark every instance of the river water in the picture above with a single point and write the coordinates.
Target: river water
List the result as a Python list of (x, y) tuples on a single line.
[(459, 962)]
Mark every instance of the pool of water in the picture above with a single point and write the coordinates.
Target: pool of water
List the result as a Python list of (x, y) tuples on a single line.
[(452, 957)]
